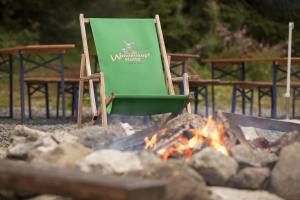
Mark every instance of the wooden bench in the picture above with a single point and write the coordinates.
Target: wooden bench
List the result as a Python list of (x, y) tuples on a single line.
[(199, 87), (264, 89)]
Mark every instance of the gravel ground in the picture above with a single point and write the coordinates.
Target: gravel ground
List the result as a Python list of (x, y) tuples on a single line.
[(86, 134)]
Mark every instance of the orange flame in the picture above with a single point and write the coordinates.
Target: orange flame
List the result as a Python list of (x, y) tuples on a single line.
[(211, 134)]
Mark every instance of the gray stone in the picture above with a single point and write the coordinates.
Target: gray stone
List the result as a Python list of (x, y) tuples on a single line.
[(285, 178), (64, 155), (109, 161), (148, 158), (250, 178), (222, 193), (21, 150), (215, 167), (249, 157), (182, 182)]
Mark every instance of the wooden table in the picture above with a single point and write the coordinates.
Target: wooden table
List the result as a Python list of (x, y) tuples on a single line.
[(180, 60), (220, 69), (24, 55)]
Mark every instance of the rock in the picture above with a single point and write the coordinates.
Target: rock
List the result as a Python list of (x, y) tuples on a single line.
[(3, 153), (250, 178), (284, 140), (30, 134), (49, 197), (64, 155), (182, 182), (215, 167), (147, 158), (62, 136), (285, 178), (96, 137), (21, 150), (222, 193), (255, 158), (109, 161)]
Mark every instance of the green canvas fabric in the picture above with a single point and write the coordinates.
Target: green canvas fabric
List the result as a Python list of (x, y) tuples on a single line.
[(129, 56)]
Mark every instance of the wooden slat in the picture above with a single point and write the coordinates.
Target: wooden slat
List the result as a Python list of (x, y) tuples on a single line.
[(103, 101), (22, 177), (87, 63), (55, 48), (240, 60), (182, 57), (80, 92), (164, 55)]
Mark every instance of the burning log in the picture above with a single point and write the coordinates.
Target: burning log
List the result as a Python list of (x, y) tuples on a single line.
[(233, 131)]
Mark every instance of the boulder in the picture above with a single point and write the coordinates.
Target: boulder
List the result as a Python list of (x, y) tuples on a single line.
[(64, 155), (255, 158), (250, 178), (110, 161), (222, 193), (148, 158), (285, 178), (21, 150), (215, 167), (182, 182)]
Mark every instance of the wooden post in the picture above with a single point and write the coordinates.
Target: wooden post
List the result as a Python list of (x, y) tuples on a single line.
[(87, 62), (80, 96), (103, 100), (164, 55), (186, 90)]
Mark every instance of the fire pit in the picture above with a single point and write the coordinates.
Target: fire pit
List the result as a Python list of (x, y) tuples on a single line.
[(228, 157)]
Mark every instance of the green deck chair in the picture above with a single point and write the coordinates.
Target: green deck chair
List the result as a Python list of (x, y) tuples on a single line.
[(134, 67)]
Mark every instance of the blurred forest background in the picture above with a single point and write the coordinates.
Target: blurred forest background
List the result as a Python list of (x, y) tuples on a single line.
[(211, 28)]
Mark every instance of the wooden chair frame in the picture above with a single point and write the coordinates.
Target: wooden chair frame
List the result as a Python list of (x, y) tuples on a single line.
[(86, 76)]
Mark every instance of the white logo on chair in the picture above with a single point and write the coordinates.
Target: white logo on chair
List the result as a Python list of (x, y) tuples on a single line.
[(130, 54)]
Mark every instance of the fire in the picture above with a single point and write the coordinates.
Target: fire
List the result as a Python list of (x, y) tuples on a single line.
[(211, 134)]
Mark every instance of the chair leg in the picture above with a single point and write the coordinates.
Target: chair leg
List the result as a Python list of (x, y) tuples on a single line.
[(29, 100), (57, 100), (103, 100), (233, 99), (47, 100)]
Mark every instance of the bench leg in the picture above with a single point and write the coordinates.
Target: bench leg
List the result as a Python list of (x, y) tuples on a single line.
[(259, 102), (206, 100), (233, 99), (47, 100), (196, 96), (294, 102), (73, 100), (243, 101), (29, 100), (251, 101), (57, 100)]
